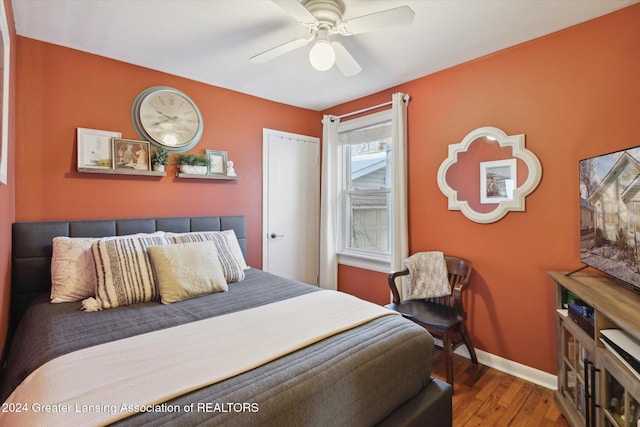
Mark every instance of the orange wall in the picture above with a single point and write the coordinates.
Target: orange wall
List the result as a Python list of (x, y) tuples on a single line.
[(574, 94), (7, 192), (61, 89)]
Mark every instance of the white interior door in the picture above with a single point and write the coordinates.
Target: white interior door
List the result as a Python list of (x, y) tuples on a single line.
[(291, 203)]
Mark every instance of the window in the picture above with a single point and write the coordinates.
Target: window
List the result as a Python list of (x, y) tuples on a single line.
[(610, 212), (366, 190)]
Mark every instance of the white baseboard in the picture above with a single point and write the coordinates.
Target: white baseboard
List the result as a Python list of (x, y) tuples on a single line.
[(510, 367)]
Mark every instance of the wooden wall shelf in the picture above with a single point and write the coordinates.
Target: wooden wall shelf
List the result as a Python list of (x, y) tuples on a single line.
[(135, 172), (218, 177), (130, 172)]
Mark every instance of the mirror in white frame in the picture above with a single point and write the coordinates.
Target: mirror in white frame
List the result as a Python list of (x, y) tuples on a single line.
[(489, 174)]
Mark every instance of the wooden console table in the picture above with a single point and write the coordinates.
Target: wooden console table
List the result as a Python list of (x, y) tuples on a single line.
[(595, 386)]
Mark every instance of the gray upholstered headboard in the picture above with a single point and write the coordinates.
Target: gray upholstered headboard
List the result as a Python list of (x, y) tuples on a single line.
[(33, 242)]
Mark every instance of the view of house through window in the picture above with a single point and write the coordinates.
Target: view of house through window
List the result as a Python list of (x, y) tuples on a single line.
[(367, 165)]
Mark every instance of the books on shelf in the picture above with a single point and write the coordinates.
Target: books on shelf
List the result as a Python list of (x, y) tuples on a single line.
[(583, 315), (582, 309)]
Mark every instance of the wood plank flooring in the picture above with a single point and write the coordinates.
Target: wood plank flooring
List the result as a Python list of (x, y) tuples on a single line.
[(488, 397)]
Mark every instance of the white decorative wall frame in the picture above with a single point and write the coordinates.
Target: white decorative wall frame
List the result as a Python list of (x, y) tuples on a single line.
[(517, 201)]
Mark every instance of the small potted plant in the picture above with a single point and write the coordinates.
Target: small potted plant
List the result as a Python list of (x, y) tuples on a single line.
[(159, 158), (196, 164)]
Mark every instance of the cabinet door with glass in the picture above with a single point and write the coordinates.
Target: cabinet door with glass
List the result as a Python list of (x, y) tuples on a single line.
[(620, 406), (577, 360)]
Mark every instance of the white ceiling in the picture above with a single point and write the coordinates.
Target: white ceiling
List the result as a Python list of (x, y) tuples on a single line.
[(211, 41)]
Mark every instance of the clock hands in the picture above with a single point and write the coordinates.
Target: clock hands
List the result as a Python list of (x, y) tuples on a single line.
[(159, 122), (167, 116)]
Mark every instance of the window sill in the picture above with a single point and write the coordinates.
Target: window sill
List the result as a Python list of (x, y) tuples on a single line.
[(380, 264)]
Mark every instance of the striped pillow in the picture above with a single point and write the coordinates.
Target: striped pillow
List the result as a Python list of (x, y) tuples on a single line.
[(229, 253), (123, 270)]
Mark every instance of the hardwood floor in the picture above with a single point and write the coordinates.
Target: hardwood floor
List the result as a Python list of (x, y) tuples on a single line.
[(488, 397)]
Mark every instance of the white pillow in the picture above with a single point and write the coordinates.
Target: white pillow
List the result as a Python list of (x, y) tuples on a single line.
[(229, 252), (187, 270), (73, 273)]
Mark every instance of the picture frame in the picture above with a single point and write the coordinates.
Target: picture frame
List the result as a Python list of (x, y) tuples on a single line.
[(5, 55), (217, 162), (131, 154), (95, 149), (498, 179)]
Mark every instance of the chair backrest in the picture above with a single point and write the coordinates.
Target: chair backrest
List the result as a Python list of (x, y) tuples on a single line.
[(459, 272)]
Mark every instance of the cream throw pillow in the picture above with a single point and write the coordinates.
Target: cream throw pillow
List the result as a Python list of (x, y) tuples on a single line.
[(187, 270)]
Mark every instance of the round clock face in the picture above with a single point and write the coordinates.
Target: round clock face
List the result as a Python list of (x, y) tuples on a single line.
[(168, 118)]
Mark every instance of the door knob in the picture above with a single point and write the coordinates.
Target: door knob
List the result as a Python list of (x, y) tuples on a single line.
[(275, 236)]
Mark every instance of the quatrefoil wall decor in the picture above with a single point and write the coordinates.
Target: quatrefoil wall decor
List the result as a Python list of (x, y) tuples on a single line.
[(489, 174)]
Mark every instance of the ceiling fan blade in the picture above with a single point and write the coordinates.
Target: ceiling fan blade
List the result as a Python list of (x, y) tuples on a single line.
[(297, 11), (395, 17), (277, 51), (345, 62)]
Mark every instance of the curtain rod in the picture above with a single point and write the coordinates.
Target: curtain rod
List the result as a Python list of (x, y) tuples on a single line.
[(364, 110)]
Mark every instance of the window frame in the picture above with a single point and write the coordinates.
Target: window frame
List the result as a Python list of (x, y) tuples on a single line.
[(360, 258)]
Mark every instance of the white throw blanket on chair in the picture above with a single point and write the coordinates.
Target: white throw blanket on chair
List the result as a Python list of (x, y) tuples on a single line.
[(427, 275)]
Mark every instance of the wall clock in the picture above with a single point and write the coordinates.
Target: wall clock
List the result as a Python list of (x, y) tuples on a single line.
[(167, 118)]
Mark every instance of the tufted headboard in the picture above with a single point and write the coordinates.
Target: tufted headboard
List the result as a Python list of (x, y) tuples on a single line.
[(32, 245)]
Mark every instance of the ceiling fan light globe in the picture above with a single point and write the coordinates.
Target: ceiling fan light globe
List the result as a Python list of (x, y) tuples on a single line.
[(322, 56)]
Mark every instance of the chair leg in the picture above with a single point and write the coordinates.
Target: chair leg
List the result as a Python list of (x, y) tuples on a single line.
[(448, 358), (467, 341)]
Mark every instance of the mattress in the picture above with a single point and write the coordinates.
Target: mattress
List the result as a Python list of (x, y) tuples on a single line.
[(354, 378)]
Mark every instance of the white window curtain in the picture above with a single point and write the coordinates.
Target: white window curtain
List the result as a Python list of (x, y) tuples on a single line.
[(399, 214), (328, 267), (330, 190)]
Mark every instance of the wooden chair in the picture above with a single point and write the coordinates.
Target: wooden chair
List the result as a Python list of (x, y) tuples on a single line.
[(444, 317)]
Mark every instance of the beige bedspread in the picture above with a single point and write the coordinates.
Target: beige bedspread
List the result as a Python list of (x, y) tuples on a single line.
[(102, 384)]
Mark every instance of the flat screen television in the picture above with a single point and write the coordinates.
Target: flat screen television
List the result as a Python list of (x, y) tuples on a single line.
[(610, 214)]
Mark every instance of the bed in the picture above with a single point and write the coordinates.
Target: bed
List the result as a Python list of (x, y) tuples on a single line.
[(375, 372)]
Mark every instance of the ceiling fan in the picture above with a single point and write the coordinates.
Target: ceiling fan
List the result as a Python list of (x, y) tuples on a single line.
[(323, 18)]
